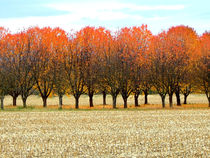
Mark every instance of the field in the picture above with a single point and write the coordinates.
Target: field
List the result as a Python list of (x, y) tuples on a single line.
[(194, 100), (147, 131), (106, 133)]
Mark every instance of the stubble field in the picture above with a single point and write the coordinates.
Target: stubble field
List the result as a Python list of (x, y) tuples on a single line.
[(106, 133)]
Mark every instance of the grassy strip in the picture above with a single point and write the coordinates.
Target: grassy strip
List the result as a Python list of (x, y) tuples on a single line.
[(48, 109)]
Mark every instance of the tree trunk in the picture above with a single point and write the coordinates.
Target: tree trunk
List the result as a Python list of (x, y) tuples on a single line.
[(44, 99), (104, 98), (185, 98), (14, 99), (163, 101), (91, 99), (178, 100), (76, 102), (60, 101), (136, 97), (114, 101), (125, 102), (171, 100), (2, 102), (145, 96), (208, 97), (24, 102)]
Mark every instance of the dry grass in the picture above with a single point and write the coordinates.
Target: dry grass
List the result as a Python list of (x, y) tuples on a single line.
[(153, 133), (194, 100)]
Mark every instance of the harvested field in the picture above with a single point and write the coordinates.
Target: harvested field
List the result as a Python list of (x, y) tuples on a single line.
[(109, 133)]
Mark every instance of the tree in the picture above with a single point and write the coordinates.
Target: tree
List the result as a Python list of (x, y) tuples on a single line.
[(88, 45), (140, 40), (181, 46), (60, 47), (111, 58), (9, 60), (158, 67), (203, 66), (103, 51), (186, 92), (44, 71), (126, 62), (188, 86), (3, 88), (129, 61), (91, 42), (177, 92), (74, 66), (60, 84), (146, 84), (27, 46), (21, 65), (101, 86), (19, 61), (131, 44), (3, 81)]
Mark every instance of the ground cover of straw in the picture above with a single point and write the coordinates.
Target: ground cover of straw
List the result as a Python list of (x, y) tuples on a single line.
[(105, 133)]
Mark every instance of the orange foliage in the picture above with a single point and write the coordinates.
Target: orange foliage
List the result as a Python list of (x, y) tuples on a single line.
[(91, 58)]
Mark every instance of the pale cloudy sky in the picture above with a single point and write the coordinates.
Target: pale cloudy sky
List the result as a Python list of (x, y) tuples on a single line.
[(113, 14)]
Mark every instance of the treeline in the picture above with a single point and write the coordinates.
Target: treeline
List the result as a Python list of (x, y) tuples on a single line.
[(92, 60)]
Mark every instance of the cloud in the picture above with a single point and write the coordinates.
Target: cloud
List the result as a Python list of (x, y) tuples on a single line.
[(17, 24), (158, 7), (112, 20), (102, 6), (79, 15), (111, 14), (105, 11)]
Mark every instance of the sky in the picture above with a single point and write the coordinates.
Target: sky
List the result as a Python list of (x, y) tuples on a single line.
[(73, 15)]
